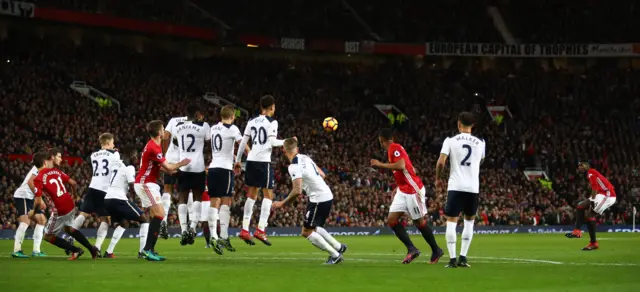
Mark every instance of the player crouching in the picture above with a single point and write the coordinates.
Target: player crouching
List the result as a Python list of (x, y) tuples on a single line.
[(306, 175)]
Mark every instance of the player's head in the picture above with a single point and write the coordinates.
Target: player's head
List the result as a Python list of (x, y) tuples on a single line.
[(227, 114), (155, 128), (129, 155), (40, 159), (268, 105), (55, 155), (583, 166), (290, 147), (385, 137), (106, 141), (466, 121), (194, 113)]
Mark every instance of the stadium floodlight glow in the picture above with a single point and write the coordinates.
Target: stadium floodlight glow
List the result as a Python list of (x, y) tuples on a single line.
[(252, 46)]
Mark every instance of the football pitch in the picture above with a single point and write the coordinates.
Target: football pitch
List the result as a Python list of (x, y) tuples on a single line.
[(514, 262)]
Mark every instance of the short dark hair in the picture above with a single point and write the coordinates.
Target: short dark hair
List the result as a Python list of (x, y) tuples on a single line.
[(386, 134), (153, 128), (227, 112), (54, 151), (105, 138), (39, 158), (126, 153), (466, 119), (267, 101), (192, 110)]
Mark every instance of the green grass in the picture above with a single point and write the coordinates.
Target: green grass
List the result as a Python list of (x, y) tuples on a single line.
[(499, 263)]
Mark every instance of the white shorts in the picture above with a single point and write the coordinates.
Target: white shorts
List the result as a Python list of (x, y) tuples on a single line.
[(602, 203), (148, 193), (412, 204), (56, 223), (204, 211)]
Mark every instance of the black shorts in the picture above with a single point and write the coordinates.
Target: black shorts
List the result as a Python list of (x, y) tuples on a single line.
[(259, 175), (317, 214), (170, 179), (220, 182), (93, 202), (192, 181), (461, 201), (122, 210), (23, 206)]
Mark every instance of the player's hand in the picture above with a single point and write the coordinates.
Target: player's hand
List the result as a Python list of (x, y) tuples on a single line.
[(30, 214), (237, 168), (185, 161), (375, 162), (277, 204)]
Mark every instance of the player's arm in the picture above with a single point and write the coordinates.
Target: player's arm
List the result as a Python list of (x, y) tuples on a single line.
[(243, 144), (173, 167), (440, 165), (296, 190), (166, 137), (397, 165), (31, 183), (73, 186), (38, 202)]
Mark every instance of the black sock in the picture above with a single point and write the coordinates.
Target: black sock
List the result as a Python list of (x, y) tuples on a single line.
[(592, 229), (206, 233), (77, 235), (63, 244), (402, 234), (579, 218), (152, 236), (427, 234)]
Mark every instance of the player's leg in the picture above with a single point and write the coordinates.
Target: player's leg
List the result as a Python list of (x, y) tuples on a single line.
[(252, 179), (169, 181), (149, 195), (190, 207), (212, 224), (224, 180), (52, 228), (469, 210), (142, 233), (197, 184), (22, 206), (397, 209), (115, 238), (38, 233), (581, 210), (121, 211), (316, 214), (267, 201), (417, 207), (67, 222), (600, 204), (183, 198), (103, 229), (452, 211), (340, 247), (87, 207)]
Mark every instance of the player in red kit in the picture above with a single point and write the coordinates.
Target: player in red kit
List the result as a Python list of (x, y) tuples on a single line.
[(603, 196), (409, 198), (51, 182), (147, 188)]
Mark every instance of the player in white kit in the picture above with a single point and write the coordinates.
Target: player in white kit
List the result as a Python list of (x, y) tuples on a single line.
[(93, 201), (118, 205), (191, 135), (308, 177), (23, 200), (170, 147), (466, 153)]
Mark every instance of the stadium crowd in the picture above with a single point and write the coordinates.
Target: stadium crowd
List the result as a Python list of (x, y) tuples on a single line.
[(558, 119)]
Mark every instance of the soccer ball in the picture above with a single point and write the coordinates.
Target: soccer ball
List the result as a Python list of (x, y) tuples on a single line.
[(330, 124)]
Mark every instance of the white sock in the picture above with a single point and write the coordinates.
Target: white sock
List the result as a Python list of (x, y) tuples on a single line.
[(144, 230), (22, 228), (213, 223), (451, 239), (265, 211), (166, 204), (323, 232), (317, 240), (467, 235), (248, 211), (38, 233), (197, 209), (102, 234), (117, 234), (225, 217), (182, 217), (190, 206), (77, 224)]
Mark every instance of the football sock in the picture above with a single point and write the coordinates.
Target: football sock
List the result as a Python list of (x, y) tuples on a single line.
[(579, 218), (248, 211), (206, 233), (152, 236), (38, 233), (79, 237), (467, 235), (402, 234), (182, 217), (144, 230), (63, 244), (450, 235), (317, 240), (225, 217), (117, 234), (102, 234), (213, 222), (427, 234), (323, 232), (77, 224), (197, 209), (19, 237), (190, 206), (591, 225), (166, 204), (265, 211)]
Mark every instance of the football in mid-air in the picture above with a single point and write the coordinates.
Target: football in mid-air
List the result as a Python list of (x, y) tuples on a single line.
[(330, 124)]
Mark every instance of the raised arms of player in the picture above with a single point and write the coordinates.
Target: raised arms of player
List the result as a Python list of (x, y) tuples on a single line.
[(273, 133)]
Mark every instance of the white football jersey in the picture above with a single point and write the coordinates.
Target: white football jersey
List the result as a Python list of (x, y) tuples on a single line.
[(122, 175), (102, 161), (465, 153), (191, 136), (260, 129), (172, 155), (223, 139), (312, 183), (24, 192)]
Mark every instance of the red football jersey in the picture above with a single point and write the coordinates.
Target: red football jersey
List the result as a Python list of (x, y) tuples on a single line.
[(50, 181), (599, 183), (406, 179), (150, 163), (205, 194)]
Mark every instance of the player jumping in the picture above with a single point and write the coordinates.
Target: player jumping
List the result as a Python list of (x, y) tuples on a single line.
[(307, 176), (603, 196), (466, 154), (172, 156), (409, 198)]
